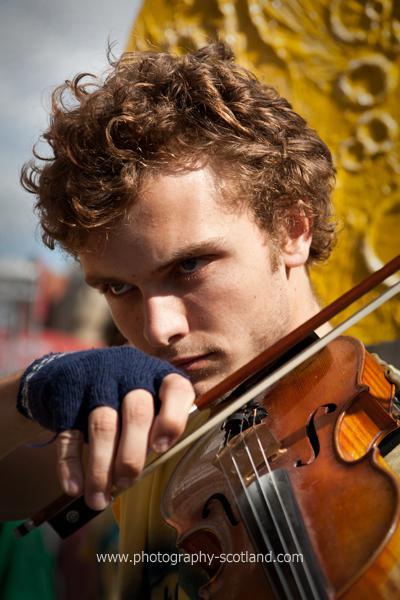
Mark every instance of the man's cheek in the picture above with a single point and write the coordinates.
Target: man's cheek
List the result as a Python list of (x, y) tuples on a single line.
[(128, 324)]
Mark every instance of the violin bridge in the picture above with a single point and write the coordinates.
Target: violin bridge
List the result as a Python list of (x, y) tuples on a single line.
[(249, 452)]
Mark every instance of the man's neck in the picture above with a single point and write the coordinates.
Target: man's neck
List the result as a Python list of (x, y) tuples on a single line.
[(304, 300)]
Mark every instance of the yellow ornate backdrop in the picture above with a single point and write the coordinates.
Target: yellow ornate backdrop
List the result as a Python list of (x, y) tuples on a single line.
[(338, 63)]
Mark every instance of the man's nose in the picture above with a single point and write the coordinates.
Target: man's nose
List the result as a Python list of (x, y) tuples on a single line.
[(165, 320)]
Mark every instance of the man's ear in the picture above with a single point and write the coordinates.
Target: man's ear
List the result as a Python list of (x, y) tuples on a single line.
[(297, 240)]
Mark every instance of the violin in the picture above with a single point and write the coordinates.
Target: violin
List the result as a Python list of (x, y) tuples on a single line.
[(295, 472), (297, 476)]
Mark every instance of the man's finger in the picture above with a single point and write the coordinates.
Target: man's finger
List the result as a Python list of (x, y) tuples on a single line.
[(103, 437), (69, 461), (137, 417), (177, 396)]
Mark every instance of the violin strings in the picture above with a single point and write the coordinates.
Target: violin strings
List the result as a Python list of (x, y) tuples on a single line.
[(293, 534), (272, 512), (257, 519)]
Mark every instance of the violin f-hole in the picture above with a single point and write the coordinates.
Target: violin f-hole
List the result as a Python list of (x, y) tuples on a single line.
[(312, 435)]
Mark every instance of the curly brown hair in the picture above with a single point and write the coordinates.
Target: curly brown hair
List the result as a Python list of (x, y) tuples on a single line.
[(156, 112)]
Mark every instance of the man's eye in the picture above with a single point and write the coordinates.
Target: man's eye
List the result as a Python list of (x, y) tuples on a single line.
[(189, 265), (117, 289)]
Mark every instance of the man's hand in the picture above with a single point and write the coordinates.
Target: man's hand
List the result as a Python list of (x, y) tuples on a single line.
[(118, 399)]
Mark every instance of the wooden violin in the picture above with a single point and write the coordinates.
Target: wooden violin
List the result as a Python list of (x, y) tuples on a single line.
[(293, 489)]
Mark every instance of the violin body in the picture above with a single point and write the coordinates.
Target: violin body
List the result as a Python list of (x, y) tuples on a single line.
[(307, 480)]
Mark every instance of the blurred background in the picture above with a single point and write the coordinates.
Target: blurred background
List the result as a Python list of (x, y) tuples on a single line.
[(337, 61)]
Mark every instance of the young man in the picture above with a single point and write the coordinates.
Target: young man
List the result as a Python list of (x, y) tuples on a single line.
[(194, 199)]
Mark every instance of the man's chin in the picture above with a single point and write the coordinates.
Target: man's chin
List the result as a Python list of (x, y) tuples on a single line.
[(203, 382)]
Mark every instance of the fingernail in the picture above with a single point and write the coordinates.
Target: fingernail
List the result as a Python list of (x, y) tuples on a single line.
[(98, 501), (71, 487), (162, 444), (123, 483)]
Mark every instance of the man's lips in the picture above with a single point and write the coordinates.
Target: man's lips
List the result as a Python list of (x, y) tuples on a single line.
[(190, 362)]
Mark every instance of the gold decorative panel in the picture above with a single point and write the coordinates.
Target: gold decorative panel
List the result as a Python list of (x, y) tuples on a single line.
[(338, 63)]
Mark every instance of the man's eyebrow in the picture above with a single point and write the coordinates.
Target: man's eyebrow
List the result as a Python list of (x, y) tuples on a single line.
[(204, 247), (98, 280)]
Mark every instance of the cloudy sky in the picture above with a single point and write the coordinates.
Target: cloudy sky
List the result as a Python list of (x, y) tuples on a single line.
[(43, 42)]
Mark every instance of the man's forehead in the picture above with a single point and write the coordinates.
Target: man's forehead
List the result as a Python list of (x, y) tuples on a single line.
[(176, 216)]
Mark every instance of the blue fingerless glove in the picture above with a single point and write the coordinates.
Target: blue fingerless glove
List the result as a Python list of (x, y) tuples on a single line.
[(59, 390)]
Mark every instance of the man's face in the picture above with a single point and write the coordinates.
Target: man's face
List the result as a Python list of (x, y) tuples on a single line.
[(190, 280)]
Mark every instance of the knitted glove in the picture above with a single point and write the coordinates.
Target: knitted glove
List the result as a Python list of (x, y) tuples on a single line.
[(59, 390)]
